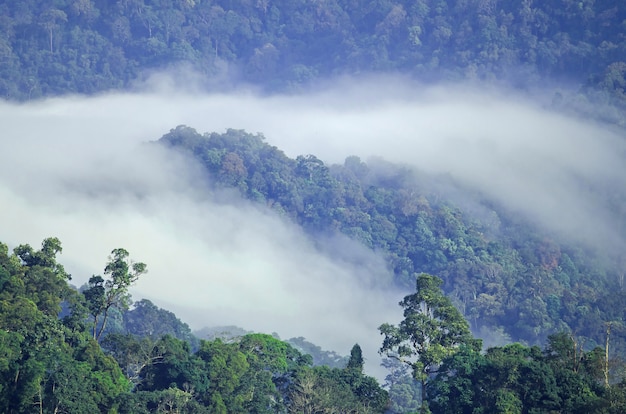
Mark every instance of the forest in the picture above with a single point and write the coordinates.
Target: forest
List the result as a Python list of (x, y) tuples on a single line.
[(487, 261), (87, 46), (501, 313), (58, 354)]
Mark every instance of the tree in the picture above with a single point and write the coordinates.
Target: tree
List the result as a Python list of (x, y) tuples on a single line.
[(147, 320), (432, 330), (50, 20), (327, 390), (172, 365), (404, 390), (272, 363), (226, 366), (45, 280), (459, 385), (103, 295), (356, 359), (132, 353), (48, 363), (512, 379)]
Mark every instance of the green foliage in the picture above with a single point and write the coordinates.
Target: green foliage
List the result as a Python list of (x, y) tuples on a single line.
[(226, 366), (355, 363), (503, 273), (48, 364), (89, 46), (45, 279), (324, 389), (171, 400), (249, 375), (255, 374), (171, 365), (104, 295), (432, 330), (52, 363), (519, 379)]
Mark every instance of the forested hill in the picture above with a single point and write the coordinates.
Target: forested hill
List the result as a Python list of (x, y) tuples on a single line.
[(85, 46), (53, 360), (505, 274)]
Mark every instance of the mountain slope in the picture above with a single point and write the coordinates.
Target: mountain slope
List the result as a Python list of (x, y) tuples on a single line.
[(87, 46), (505, 273)]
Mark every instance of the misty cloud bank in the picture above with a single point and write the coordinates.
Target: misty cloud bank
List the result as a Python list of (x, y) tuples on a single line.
[(76, 168)]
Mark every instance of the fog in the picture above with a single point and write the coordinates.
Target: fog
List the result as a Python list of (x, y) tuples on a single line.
[(75, 168)]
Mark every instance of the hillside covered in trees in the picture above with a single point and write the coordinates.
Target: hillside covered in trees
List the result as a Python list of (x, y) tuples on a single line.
[(87, 46), (504, 273)]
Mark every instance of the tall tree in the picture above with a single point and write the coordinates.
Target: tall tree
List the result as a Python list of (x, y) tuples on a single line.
[(356, 359), (103, 295), (432, 330)]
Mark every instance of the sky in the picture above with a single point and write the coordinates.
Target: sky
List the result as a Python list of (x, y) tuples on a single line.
[(77, 168)]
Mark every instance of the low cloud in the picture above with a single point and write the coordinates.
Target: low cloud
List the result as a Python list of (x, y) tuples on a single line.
[(77, 168)]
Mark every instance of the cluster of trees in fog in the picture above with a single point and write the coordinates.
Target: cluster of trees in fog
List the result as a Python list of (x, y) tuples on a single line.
[(86, 46)]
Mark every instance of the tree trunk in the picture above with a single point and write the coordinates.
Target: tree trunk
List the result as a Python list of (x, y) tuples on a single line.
[(104, 322), (95, 327), (606, 355)]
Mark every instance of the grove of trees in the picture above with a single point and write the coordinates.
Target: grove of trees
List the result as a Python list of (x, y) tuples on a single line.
[(51, 360)]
